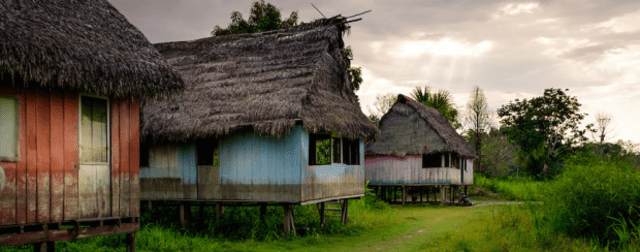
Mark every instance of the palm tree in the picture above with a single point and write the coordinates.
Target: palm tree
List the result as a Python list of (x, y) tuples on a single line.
[(441, 101)]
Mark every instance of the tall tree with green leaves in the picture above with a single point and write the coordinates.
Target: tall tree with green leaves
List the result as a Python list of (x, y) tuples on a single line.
[(543, 126), (381, 106), (478, 121), (266, 17), (441, 101)]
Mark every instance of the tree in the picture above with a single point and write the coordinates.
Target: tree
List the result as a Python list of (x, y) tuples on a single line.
[(441, 101), (543, 126), (478, 121), (265, 17), (604, 130), (381, 106), (498, 153)]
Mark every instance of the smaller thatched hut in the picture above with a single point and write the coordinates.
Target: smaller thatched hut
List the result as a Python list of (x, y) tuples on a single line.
[(267, 118), (418, 148), (72, 74)]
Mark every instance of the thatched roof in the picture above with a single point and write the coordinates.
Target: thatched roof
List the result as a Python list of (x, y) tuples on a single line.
[(267, 81), (82, 45), (411, 128)]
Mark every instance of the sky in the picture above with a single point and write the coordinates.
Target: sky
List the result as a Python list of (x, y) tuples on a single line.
[(510, 49)]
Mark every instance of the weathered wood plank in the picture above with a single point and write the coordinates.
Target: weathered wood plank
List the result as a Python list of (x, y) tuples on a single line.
[(43, 162), (134, 163), (57, 156), (115, 158), (71, 156), (21, 175), (125, 139), (31, 147), (88, 201)]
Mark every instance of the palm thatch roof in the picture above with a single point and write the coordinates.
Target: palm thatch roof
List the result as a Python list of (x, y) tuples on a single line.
[(411, 128), (82, 45), (268, 82)]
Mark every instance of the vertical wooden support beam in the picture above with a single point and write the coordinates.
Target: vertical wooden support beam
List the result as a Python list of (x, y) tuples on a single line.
[(451, 193), (428, 190), (345, 211), (421, 193), (44, 247), (130, 242), (378, 192), (183, 221), (218, 211), (395, 194), (263, 212), (149, 205), (404, 195), (465, 191), (321, 212), (287, 220), (443, 197)]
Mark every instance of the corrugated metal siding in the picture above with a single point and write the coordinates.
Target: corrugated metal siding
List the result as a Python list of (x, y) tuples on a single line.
[(259, 168), (332, 180), (380, 170), (43, 185)]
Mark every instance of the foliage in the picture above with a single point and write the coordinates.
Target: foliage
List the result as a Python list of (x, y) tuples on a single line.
[(323, 151), (498, 154), (596, 199), (508, 188), (441, 101), (543, 127), (478, 122), (604, 129), (264, 17), (381, 106)]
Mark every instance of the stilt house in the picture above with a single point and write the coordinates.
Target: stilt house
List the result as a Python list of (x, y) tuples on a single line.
[(267, 117), (72, 74), (418, 148)]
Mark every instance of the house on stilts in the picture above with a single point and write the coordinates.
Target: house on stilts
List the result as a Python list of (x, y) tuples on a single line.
[(72, 74), (418, 150), (267, 118)]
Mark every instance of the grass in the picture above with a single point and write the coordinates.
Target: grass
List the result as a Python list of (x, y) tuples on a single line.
[(508, 188)]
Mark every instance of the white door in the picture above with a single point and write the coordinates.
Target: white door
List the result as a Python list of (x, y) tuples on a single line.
[(94, 180)]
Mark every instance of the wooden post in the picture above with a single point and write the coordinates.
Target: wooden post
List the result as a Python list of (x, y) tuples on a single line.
[(287, 220), (428, 190), (378, 192), (443, 196), (451, 195), (321, 212), (149, 205), (395, 194), (465, 191), (345, 211), (218, 211), (421, 192), (44, 247), (183, 221), (263, 212), (404, 195), (130, 242)]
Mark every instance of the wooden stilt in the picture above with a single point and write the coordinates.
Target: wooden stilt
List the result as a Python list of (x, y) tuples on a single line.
[(130, 242), (404, 195), (44, 247), (428, 190), (321, 212), (183, 221), (218, 211), (443, 197), (378, 192), (465, 191), (287, 220), (201, 217), (345, 211), (263, 212), (451, 195), (149, 205), (421, 192), (395, 194)]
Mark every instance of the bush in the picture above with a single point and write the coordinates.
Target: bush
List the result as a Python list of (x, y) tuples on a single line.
[(598, 200)]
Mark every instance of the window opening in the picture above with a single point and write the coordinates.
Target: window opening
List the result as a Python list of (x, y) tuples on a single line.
[(351, 151), (431, 160), (447, 160), (336, 150), (8, 128), (319, 149), (455, 160), (207, 151), (94, 147), (144, 154)]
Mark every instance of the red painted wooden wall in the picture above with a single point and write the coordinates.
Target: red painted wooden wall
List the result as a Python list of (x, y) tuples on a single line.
[(43, 185)]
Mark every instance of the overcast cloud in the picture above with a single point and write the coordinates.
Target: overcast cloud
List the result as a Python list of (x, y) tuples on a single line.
[(510, 49)]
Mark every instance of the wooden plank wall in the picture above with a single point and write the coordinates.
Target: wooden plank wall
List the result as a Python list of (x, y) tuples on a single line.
[(43, 185), (380, 170), (333, 180)]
